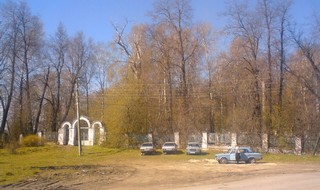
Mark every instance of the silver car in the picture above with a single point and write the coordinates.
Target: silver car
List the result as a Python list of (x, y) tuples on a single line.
[(169, 147), (147, 148), (193, 148)]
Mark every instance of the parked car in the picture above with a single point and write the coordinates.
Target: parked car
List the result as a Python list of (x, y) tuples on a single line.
[(193, 148), (147, 148), (246, 155), (169, 147)]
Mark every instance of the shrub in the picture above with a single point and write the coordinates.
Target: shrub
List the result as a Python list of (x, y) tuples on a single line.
[(32, 141)]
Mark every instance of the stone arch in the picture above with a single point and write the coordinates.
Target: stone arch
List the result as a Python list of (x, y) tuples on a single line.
[(85, 130), (102, 134), (81, 119), (64, 133), (90, 134)]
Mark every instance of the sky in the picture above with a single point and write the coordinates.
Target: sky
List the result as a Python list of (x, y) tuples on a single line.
[(95, 17)]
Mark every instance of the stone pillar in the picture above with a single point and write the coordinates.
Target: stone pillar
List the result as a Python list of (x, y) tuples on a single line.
[(216, 139), (39, 134), (204, 140), (91, 135), (72, 138), (150, 137), (298, 146), (102, 135), (176, 139), (265, 143), (20, 138), (233, 139), (60, 136)]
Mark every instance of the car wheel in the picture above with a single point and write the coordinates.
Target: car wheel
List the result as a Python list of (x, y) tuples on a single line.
[(252, 160), (223, 161)]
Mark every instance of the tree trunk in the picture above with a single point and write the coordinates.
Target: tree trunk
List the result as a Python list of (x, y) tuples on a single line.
[(36, 125)]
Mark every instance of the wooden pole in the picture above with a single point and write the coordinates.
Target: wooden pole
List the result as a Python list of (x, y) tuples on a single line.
[(78, 119), (316, 146)]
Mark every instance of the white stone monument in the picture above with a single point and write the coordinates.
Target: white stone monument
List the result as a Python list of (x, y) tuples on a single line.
[(204, 140)]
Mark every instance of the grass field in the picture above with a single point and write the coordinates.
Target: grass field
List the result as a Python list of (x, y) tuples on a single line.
[(27, 162)]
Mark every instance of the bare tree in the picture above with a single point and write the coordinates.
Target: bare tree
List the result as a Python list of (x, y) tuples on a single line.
[(283, 19), (44, 83), (309, 47), (30, 31), (131, 48), (247, 27), (9, 42), (57, 52), (103, 74), (207, 42), (88, 71), (177, 16), (24, 35), (162, 56), (78, 56), (269, 19)]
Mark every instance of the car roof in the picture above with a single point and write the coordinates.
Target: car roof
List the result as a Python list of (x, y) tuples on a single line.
[(169, 143), (147, 143)]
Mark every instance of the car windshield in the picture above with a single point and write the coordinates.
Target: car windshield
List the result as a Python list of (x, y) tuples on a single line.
[(168, 144), (146, 144), (193, 145)]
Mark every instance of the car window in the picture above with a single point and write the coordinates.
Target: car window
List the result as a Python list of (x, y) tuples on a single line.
[(249, 150), (169, 144), (231, 151), (147, 144)]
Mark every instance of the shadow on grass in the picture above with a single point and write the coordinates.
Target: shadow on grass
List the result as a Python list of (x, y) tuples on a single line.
[(156, 153), (200, 154)]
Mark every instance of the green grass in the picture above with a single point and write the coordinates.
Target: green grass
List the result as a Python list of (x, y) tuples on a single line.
[(23, 164), (289, 158), (28, 161)]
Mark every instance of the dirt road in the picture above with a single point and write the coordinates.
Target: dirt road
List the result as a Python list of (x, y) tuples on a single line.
[(298, 181), (147, 173)]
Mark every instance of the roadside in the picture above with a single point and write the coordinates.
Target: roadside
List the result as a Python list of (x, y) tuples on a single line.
[(149, 173)]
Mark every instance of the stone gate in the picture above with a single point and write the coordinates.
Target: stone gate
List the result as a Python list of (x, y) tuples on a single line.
[(91, 134)]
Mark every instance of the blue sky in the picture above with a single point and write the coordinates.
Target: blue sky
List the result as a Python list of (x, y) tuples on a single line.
[(94, 17)]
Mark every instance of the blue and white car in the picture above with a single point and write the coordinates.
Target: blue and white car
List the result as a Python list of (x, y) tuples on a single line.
[(246, 155)]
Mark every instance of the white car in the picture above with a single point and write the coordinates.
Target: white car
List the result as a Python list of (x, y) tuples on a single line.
[(169, 147), (147, 148), (193, 148)]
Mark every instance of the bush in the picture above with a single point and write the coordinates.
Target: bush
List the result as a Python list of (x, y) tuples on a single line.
[(32, 141)]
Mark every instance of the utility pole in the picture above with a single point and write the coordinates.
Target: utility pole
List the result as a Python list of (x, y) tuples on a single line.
[(212, 129), (78, 118)]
